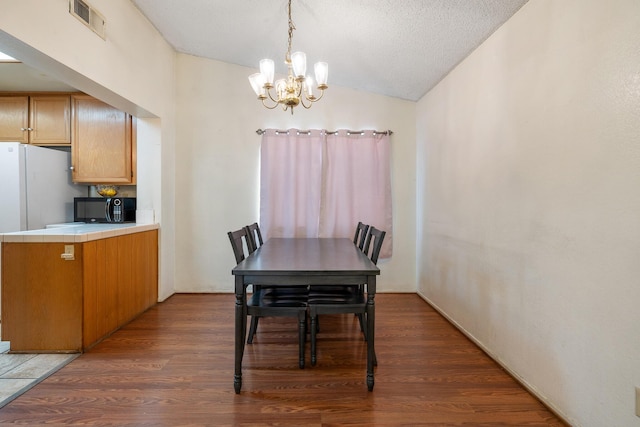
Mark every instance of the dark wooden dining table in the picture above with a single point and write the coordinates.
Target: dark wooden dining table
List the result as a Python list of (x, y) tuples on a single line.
[(303, 262)]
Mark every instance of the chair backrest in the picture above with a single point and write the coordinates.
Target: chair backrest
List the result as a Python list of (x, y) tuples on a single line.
[(378, 238), (361, 234), (239, 239), (255, 236)]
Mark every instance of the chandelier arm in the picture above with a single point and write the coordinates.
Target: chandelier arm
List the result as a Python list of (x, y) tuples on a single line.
[(318, 98), (314, 98), (302, 98), (271, 96), (266, 106)]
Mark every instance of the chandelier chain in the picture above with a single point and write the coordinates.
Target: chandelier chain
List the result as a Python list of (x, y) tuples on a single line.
[(291, 28)]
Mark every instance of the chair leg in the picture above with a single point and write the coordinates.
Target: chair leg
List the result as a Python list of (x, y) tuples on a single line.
[(302, 325), (252, 329), (363, 327), (363, 324), (314, 330)]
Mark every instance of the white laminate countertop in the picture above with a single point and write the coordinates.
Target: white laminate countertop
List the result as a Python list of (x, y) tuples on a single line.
[(76, 233)]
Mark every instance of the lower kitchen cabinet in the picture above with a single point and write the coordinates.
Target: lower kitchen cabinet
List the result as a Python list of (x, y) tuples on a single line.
[(50, 304)]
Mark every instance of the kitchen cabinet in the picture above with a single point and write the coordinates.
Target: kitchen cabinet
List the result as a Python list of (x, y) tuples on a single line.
[(121, 280), (68, 305), (40, 119), (102, 143)]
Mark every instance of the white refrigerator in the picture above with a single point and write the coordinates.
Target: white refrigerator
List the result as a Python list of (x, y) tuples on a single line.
[(35, 187)]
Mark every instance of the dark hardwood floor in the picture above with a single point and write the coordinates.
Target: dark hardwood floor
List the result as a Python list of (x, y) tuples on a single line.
[(174, 366)]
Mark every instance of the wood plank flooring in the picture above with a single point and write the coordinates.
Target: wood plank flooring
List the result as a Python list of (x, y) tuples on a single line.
[(173, 366)]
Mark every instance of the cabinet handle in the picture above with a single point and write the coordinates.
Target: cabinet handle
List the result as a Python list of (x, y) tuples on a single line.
[(71, 168), (23, 129)]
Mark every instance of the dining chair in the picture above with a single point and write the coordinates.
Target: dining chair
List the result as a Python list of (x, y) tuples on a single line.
[(378, 237), (361, 234), (349, 299), (362, 231), (283, 293), (255, 235), (358, 240), (270, 303)]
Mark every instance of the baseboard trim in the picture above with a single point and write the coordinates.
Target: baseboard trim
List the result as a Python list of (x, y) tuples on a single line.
[(495, 358)]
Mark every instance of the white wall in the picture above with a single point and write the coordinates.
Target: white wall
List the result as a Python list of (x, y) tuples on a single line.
[(199, 160), (527, 202), (217, 163), (529, 206), (133, 69)]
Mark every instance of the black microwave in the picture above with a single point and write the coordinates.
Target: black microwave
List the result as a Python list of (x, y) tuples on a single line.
[(101, 209)]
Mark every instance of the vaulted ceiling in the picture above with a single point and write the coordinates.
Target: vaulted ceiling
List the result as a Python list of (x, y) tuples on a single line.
[(399, 48)]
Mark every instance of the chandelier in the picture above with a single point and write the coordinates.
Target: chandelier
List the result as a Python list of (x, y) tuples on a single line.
[(296, 89)]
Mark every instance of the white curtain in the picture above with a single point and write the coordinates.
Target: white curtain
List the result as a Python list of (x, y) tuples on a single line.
[(319, 184), (357, 185), (290, 183)]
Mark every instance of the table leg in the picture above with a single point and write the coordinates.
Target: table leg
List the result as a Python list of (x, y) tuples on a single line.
[(371, 329), (241, 330)]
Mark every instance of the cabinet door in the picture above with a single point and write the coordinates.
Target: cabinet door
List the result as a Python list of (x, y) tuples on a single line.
[(101, 147), (50, 120), (100, 292), (14, 118), (137, 273), (120, 282), (41, 297)]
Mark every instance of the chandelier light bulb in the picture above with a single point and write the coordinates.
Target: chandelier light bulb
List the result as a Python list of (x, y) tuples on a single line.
[(257, 83), (299, 64), (267, 70), (308, 87), (322, 73)]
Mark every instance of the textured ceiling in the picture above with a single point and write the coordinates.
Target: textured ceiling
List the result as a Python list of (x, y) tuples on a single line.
[(399, 48)]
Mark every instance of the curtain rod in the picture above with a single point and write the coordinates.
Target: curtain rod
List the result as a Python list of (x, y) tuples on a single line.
[(375, 132)]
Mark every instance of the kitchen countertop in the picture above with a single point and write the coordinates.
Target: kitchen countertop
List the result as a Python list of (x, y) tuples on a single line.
[(75, 233)]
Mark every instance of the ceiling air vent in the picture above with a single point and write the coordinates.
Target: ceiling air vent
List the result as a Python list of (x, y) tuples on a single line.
[(88, 16)]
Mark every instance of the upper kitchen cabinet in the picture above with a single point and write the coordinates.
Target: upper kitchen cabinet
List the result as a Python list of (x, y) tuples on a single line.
[(36, 119), (102, 143)]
